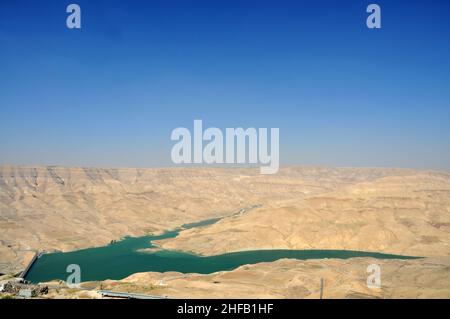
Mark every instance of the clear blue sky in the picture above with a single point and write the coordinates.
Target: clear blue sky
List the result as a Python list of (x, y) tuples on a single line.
[(111, 93)]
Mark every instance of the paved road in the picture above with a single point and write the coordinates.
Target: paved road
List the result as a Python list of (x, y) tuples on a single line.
[(116, 294)]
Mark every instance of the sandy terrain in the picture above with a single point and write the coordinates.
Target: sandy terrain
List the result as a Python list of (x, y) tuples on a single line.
[(383, 210), (407, 215), (287, 278), (56, 208), (67, 209)]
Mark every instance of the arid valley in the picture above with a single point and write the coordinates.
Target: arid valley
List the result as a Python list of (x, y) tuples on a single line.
[(392, 211)]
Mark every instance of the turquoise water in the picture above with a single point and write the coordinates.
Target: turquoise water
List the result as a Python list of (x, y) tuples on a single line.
[(122, 258)]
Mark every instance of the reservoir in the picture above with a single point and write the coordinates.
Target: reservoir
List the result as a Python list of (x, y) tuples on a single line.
[(123, 258)]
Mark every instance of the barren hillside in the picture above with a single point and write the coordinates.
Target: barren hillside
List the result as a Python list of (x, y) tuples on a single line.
[(407, 215), (389, 210), (289, 278)]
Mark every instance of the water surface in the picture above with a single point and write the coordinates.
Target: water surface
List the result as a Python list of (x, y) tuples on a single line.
[(123, 258)]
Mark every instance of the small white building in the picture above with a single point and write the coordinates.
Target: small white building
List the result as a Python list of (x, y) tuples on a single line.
[(26, 293)]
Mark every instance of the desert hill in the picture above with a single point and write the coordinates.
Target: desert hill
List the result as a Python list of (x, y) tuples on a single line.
[(408, 215), (287, 278), (388, 210)]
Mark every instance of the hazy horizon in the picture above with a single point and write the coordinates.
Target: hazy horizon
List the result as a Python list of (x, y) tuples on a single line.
[(224, 166)]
